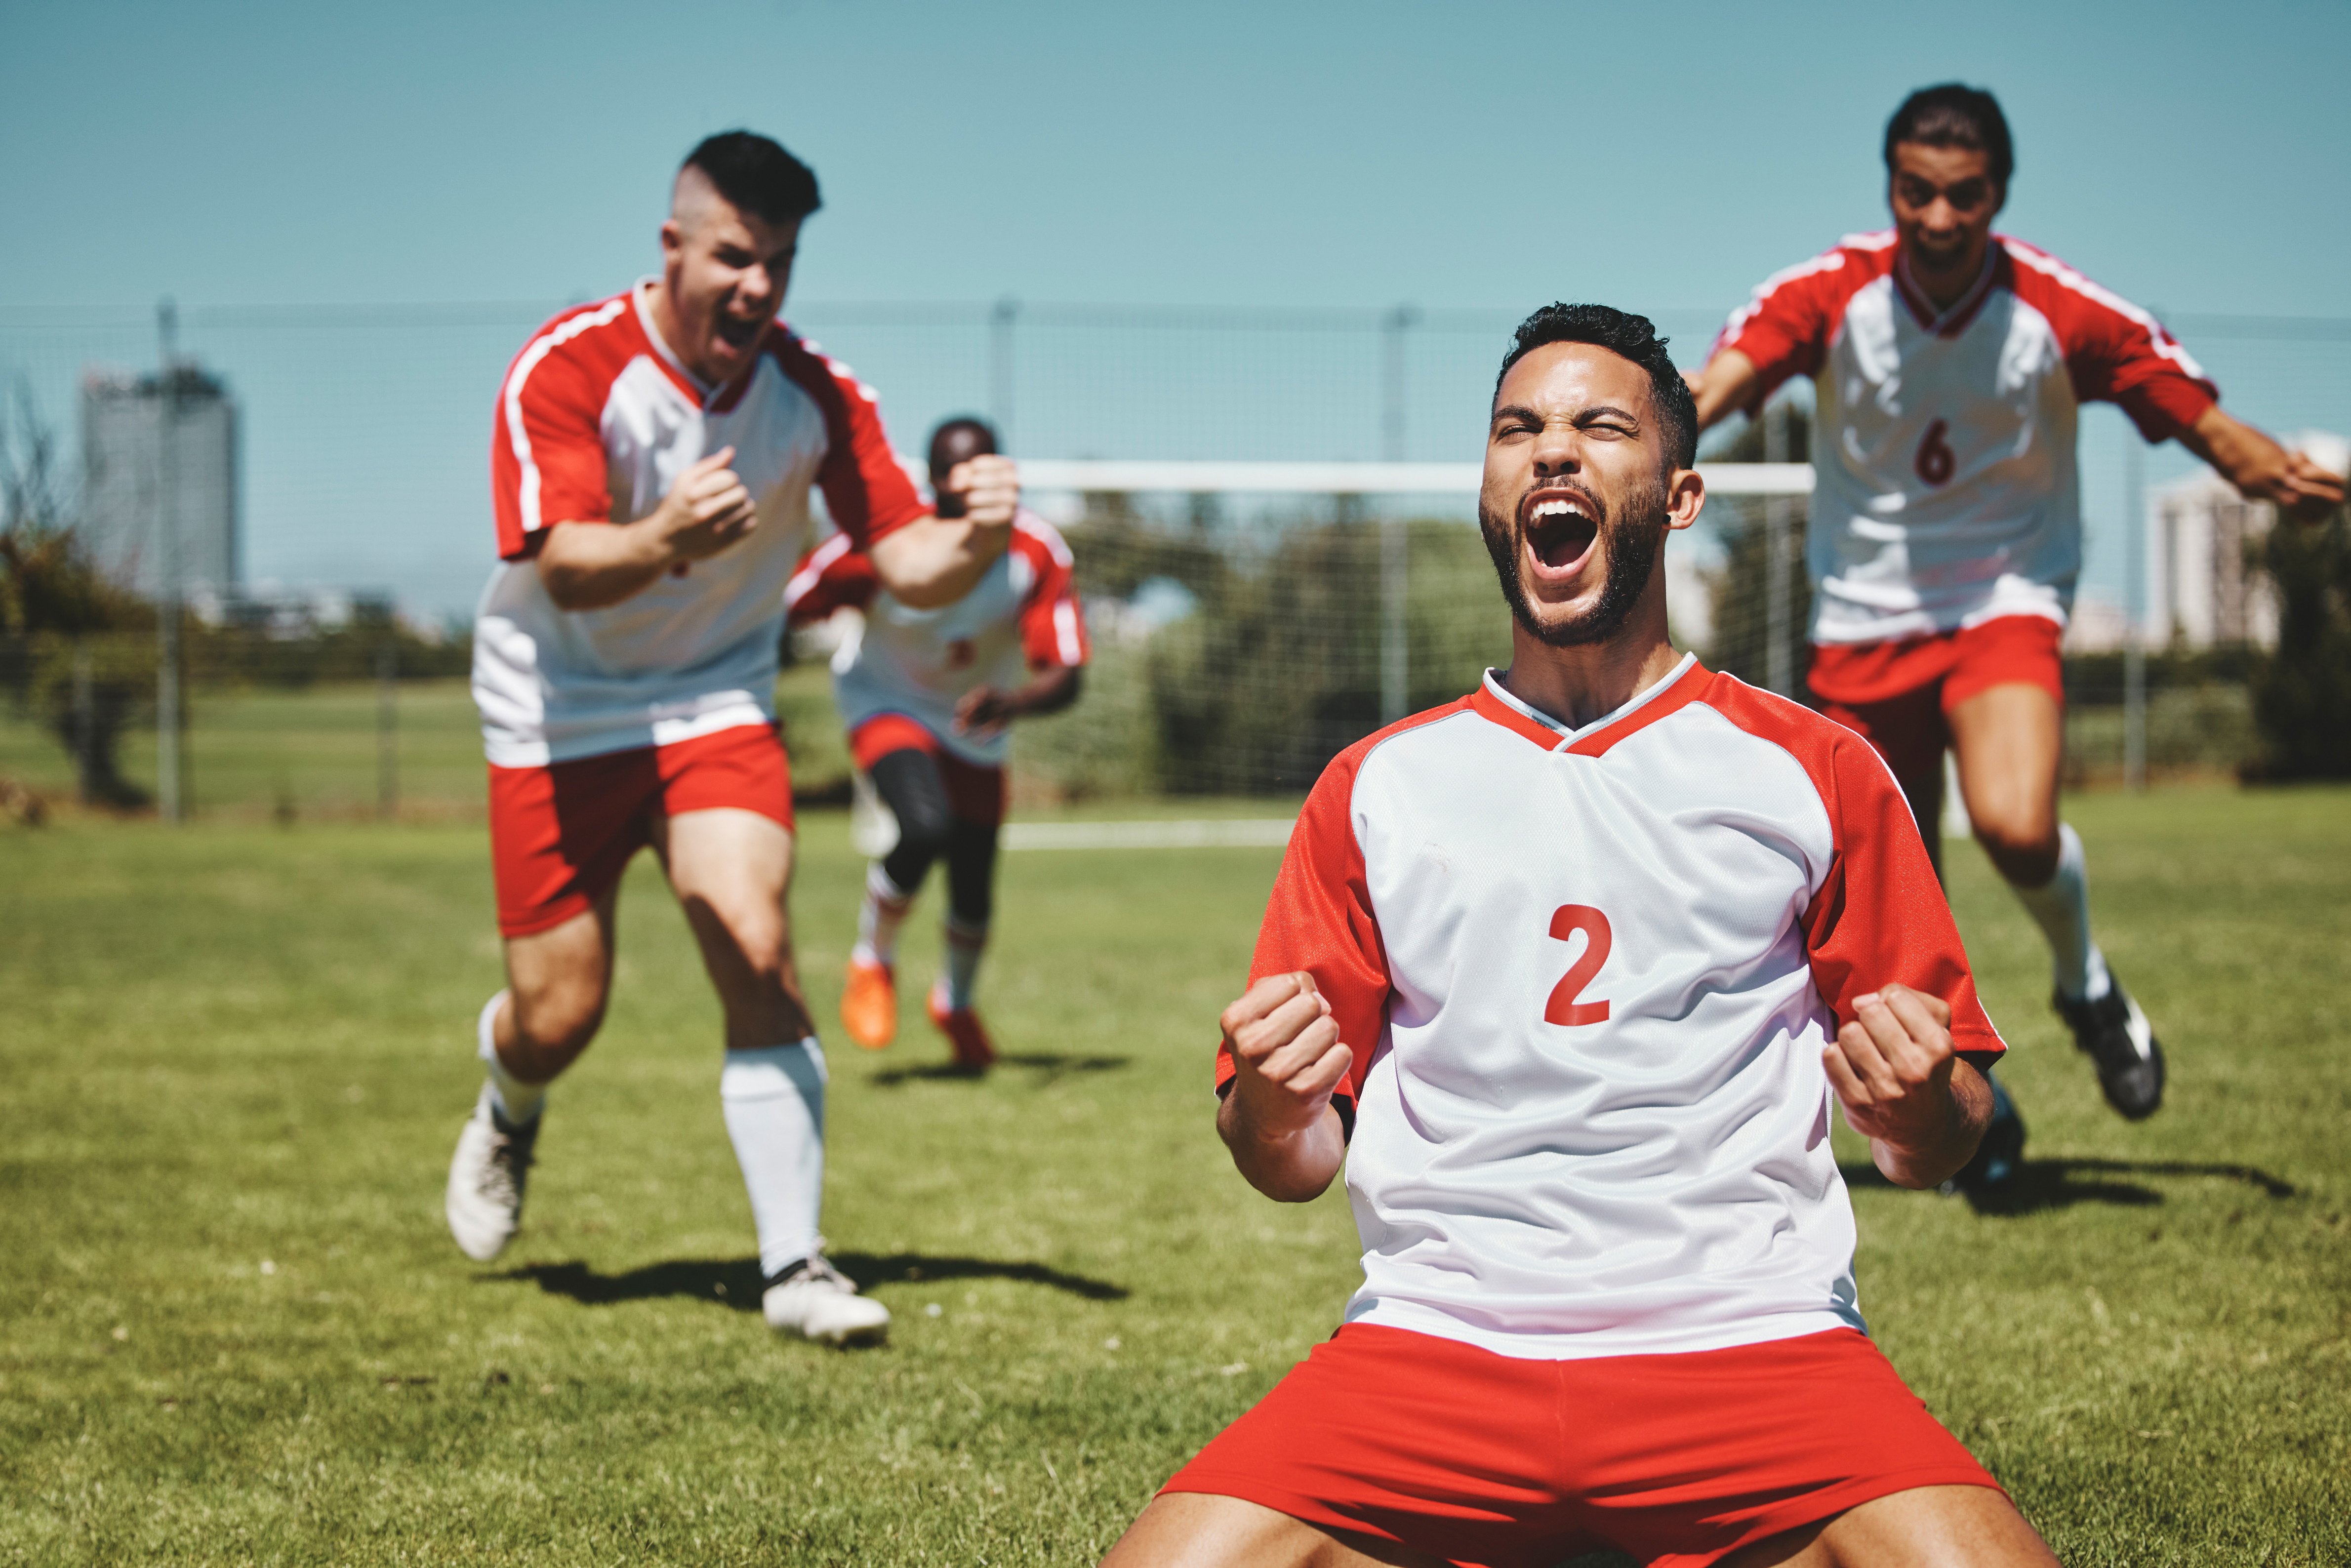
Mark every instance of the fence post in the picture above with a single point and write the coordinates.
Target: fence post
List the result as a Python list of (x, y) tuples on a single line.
[(1001, 321), (1779, 664), (1395, 544), (85, 717), (2133, 614), (170, 798), (387, 730)]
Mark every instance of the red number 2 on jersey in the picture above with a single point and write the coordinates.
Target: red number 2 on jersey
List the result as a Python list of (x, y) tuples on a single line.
[(1936, 461), (1562, 1008)]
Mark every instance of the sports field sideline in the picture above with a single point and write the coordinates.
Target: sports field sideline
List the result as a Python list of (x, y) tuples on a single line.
[(233, 1326)]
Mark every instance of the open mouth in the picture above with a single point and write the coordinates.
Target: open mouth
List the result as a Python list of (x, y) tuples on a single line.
[(738, 332), (1561, 528)]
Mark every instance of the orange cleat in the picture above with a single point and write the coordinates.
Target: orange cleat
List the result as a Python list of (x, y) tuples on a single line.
[(973, 1050), (869, 1005)]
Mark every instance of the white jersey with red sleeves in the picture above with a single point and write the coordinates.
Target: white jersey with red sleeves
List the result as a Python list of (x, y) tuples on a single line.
[(1587, 976), (1946, 490), (596, 421), (1022, 615)]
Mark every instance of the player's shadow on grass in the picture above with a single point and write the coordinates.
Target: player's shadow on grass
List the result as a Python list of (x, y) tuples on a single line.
[(735, 1281), (2063, 1183), (1048, 1065)]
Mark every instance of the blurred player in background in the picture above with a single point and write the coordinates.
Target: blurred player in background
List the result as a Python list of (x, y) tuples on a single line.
[(1945, 532), (651, 467), (1567, 974), (928, 694)]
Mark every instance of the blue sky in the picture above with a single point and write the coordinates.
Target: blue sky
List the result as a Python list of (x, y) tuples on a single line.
[(1662, 158)]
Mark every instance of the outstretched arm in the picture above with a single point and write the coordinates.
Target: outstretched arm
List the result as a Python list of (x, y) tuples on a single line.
[(1904, 1088), (1728, 383), (1277, 1118), (2260, 468), (936, 560)]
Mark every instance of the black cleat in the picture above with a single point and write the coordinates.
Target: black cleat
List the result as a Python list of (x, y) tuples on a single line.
[(1999, 1156), (2115, 1034)]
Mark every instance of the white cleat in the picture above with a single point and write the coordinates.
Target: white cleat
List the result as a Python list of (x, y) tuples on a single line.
[(486, 1177), (816, 1300)]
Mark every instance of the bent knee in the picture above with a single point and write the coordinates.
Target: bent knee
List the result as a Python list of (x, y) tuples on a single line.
[(553, 1024)]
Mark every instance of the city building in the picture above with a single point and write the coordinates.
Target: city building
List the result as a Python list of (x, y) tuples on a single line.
[(159, 452)]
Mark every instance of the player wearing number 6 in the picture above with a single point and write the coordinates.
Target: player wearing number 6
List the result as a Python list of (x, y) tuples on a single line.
[(1946, 522), (1570, 974)]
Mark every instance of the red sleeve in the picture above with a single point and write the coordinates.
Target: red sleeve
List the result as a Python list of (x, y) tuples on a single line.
[(1786, 327), (546, 447), (1320, 919), (828, 577), (2115, 352), (868, 494), (1052, 623), (1880, 916)]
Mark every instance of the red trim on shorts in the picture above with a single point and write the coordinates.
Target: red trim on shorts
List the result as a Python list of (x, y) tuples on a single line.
[(1899, 695), (975, 790), (561, 835), (1491, 1460)]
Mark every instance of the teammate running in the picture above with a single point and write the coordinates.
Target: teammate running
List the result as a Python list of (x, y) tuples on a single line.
[(651, 467), (1578, 963), (928, 695), (1946, 522)]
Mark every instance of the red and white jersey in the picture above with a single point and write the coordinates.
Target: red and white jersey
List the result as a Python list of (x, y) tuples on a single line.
[(596, 421), (1021, 616), (1946, 490), (1587, 975)]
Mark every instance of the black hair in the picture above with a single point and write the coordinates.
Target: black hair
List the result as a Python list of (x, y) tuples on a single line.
[(1953, 114), (1635, 338), (973, 429), (758, 176)]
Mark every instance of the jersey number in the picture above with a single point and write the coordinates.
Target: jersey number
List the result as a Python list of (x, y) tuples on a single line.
[(1935, 461), (1562, 1008)]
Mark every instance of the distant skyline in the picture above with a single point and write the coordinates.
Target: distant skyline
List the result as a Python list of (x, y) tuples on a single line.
[(1217, 154)]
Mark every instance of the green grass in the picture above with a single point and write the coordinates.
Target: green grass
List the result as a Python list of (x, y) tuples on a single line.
[(232, 1329)]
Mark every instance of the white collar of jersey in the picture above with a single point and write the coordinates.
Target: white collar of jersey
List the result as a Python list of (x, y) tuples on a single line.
[(1568, 735), (1924, 308), (653, 336)]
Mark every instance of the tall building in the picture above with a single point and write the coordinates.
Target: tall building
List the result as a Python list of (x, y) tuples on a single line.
[(2204, 584), (160, 452)]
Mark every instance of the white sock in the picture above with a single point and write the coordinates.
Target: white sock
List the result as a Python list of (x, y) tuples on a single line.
[(774, 1102), (965, 944), (880, 917), (517, 1102), (2061, 910)]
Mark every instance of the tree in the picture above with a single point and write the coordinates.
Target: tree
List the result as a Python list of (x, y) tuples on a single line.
[(2301, 693), (87, 688)]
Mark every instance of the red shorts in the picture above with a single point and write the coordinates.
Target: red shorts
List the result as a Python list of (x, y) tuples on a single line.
[(561, 835), (975, 792), (1487, 1459), (1899, 695)]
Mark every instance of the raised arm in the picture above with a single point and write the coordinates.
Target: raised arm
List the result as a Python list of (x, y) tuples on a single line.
[(591, 565), (1277, 1118), (2260, 468), (936, 560), (1730, 383)]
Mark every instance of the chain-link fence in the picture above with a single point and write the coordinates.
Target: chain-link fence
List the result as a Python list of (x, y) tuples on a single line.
[(1243, 637)]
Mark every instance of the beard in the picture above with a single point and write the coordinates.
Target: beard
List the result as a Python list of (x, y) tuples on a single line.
[(1629, 541)]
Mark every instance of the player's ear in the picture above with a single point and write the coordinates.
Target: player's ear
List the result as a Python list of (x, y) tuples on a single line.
[(673, 237), (1685, 498)]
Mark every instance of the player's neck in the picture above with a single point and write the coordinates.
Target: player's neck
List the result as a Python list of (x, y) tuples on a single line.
[(1576, 686), (1946, 287)]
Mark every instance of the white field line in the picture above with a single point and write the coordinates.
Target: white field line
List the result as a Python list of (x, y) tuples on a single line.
[(1245, 833)]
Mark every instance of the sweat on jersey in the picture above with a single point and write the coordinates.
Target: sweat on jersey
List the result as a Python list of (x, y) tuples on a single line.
[(1587, 975), (596, 421), (1946, 489), (1021, 616)]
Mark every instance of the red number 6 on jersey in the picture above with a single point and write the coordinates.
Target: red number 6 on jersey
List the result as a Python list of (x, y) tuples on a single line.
[(1565, 922), (1936, 461)]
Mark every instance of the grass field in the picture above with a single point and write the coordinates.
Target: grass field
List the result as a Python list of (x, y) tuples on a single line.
[(232, 1328)]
